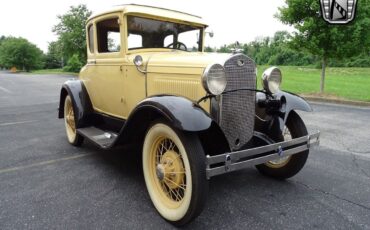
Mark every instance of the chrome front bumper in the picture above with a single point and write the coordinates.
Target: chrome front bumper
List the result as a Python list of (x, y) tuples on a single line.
[(228, 162)]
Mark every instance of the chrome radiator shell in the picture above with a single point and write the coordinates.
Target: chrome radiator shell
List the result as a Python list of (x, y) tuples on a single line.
[(237, 109)]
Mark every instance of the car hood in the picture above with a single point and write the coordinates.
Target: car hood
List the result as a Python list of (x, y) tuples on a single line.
[(180, 62)]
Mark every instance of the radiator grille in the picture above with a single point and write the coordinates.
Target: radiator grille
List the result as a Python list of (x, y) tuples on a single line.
[(238, 108)]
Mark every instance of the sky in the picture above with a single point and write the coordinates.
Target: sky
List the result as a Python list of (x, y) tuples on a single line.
[(231, 20)]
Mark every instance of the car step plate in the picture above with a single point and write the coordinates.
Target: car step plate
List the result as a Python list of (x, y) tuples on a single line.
[(100, 137)]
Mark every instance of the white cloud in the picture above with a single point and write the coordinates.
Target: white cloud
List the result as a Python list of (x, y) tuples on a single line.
[(230, 20)]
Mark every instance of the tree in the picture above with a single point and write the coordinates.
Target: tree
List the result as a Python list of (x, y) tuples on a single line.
[(225, 49), (54, 56), (2, 38), (74, 64), (20, 53), (71, 31), (322, 39), (208, 49)]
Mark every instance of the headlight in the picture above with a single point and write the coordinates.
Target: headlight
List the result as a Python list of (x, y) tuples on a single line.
[(271, 79), (214, 79)]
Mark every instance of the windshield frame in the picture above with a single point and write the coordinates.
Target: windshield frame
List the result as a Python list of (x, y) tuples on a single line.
[(201, 28)]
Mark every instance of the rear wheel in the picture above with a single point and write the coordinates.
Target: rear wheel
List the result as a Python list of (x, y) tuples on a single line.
[(288, 166), (69, 121), (174, 172)]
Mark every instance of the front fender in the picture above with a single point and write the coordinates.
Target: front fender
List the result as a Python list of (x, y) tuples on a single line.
[(181, 112), (291, 101), (272, 122), (82, 106)]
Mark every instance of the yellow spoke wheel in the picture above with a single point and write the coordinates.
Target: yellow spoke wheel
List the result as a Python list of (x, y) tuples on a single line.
[(172, 181), (282, 161), (69, 121), (287, 166)]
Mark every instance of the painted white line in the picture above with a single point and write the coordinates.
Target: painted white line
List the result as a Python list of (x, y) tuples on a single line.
[(5, 90), (16, 123), (43, 163)]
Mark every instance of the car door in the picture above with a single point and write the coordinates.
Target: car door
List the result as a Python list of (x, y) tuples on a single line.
[(105, 83)]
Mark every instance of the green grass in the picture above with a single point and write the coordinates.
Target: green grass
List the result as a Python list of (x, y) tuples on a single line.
[(53, 71), (346, 83)]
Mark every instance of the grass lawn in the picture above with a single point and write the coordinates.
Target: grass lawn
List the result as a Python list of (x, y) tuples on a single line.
[(346, 83), (53, 71)]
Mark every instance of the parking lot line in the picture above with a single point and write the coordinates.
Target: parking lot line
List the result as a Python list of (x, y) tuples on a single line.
[(5, 90), (6, 170), (16, 123)]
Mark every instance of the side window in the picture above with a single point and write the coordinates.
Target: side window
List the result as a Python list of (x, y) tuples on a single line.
[(91, 38), (134, 41), (109, 36)]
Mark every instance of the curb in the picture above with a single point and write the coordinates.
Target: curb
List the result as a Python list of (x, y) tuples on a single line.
[(337, 101)]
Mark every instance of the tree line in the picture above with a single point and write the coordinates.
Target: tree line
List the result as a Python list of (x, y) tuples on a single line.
[(277, 50)]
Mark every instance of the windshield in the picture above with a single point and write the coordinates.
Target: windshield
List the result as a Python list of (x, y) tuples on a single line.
[(151, 33)]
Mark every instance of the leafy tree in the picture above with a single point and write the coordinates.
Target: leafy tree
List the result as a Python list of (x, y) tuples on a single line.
[(71, 31), (54, 56), (2, 38), (20, 53), (74, 64), (224, 49), (322, 39), (208, 49)]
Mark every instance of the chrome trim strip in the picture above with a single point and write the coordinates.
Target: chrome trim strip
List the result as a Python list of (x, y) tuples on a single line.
[(231, 160)]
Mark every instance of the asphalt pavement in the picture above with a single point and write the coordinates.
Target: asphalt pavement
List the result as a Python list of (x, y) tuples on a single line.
[(45, 183)]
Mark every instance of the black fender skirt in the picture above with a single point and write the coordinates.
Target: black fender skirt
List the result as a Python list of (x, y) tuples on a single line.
[(82, 106), (180, 112)]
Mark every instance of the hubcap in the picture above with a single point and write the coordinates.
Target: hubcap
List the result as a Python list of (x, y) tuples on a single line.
[(169, 169), (160, 172), (282, 161)]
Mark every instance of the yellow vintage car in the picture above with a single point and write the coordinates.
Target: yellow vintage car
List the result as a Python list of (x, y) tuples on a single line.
[(194, 115)]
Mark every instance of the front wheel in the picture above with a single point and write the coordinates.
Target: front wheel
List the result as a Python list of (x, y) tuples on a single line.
[(288, 166), (174, 172)]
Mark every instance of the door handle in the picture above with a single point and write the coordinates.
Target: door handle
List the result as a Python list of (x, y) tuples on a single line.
[(91, 62)]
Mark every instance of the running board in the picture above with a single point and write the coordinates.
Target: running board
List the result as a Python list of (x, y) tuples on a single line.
[(228, 162), (97, 136)]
